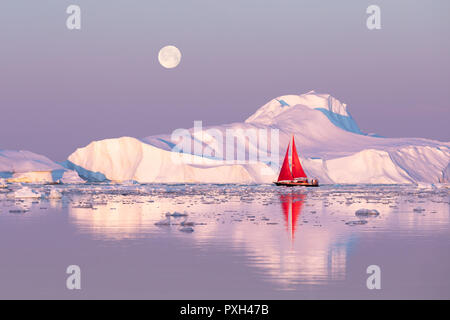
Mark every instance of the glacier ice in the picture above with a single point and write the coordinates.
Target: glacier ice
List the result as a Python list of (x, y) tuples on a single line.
[(333, 150), (29, 167), (332, 108)]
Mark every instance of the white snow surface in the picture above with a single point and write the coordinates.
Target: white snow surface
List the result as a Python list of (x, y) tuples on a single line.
[(29, 167), (273, 108), (25, 161), (127, 158), (327, 150)]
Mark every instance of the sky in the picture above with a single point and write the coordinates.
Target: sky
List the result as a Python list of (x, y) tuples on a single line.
[(61, 89)]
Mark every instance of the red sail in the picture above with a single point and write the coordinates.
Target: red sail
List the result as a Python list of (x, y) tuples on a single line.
[(297, 170), (285, 172)]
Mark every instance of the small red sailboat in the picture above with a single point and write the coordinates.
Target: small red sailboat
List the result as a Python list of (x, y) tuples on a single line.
[(296, 177)]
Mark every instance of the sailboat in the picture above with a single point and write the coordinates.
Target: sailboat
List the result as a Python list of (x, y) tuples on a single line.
[(296, 177)]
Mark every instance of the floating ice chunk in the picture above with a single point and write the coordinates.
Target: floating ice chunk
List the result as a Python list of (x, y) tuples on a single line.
[(165, 222), (55, 194), (187, 229), (356, 223), (176, 214), (367, 213), (26, 192), (18, 211)]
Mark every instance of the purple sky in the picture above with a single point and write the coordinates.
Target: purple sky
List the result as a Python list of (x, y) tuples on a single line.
[(61, 89)]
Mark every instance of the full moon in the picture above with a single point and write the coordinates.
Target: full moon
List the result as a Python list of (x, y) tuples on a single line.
[(169, 57)]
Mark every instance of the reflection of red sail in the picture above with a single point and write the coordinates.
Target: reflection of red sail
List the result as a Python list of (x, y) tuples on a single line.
[(297, 203), (297, 169), (285, 204), (285, 172), (293, 202)]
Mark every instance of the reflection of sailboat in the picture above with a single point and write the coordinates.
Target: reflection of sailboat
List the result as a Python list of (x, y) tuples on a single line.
[(296, 176), (292, 206)]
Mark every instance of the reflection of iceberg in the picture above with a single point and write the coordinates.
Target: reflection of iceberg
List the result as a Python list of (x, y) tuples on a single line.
[(111, 220), (309, 257), (313, 256), (112, 217), (249, 220)]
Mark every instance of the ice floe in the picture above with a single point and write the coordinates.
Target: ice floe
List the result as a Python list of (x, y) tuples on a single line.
[(55, 194), (367, 213), (26, 192)]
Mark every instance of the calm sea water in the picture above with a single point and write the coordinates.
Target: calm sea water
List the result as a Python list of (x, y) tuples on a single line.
[(234, 242)]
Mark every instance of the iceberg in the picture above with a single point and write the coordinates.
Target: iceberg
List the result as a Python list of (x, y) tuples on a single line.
[(29, 167), (127, 158), (332, 148), (332, 108)]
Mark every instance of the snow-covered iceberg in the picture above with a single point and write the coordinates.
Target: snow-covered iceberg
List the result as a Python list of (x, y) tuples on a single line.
[(127, 158), (29, 167), (331, 145), (332, 108)]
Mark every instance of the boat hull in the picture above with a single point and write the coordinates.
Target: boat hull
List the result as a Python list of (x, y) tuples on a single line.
[(295, 184)]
